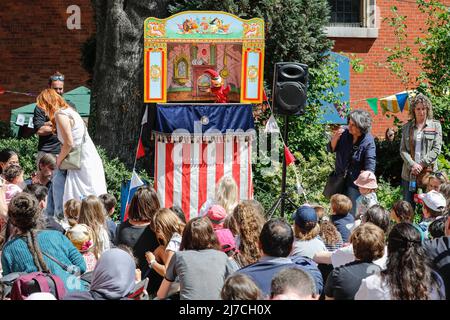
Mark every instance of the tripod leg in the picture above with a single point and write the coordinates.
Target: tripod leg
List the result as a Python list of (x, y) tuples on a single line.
[(274, 207), (291, 202)]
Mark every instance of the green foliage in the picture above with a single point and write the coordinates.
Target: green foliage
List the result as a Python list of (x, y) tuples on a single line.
[(435, 46), (115, 171), (26, 150), (5, 130), (400, 53), (389, 164), (387, 194)]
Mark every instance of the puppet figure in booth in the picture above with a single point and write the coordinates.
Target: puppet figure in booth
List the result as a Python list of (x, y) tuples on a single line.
[(217, 86)]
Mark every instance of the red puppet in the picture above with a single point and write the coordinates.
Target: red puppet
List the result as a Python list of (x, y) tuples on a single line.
[(217, 86)]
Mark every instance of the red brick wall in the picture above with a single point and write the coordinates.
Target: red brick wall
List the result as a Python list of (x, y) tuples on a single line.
[(377, 81), (35, 42)]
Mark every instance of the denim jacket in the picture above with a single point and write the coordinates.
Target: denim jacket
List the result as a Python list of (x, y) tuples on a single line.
[(364, 155), (431, 146)]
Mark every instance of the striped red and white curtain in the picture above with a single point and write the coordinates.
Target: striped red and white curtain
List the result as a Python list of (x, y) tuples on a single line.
[(187, 169)]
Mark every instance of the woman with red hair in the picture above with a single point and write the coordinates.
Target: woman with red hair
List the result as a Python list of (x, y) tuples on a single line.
[(89, 179)]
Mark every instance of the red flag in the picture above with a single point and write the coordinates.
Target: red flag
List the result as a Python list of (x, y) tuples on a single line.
[(141, 151), (288, 156)]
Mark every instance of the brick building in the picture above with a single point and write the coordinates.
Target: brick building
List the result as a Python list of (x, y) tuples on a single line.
[(357, 27), (35, 41)]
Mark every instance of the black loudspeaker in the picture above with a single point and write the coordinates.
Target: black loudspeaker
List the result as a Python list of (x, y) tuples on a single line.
[(290, 84)]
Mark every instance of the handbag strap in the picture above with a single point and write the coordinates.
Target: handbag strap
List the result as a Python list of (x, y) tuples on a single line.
[(412, 142), (62, 265)]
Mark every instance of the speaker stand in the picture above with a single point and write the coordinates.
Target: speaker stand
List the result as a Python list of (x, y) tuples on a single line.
[(281, 201)]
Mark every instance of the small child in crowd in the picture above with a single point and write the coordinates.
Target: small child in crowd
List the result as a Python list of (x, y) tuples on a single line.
[(434, 205), (216, 215), (330, 235), (240, 287), (367, 184), (168, 229), (228, 246), (306, 230), (402, 211), (81, 237), (341, 217), (71, 213), (109, 202), (13, 175), (434, 180)]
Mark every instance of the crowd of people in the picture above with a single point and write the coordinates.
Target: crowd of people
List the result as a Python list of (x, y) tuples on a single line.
[(58, 221)]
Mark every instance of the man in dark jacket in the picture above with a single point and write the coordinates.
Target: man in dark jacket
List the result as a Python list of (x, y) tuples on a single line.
[(276, 241)]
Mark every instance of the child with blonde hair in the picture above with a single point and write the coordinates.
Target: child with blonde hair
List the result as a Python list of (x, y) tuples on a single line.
[(71, 213), (92, 214), (226, 196)]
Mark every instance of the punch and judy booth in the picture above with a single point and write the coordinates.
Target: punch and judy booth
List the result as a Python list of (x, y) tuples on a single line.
[(204, 70)]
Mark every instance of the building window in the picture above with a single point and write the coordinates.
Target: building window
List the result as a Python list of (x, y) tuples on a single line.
[(353, 19), (345, 13)]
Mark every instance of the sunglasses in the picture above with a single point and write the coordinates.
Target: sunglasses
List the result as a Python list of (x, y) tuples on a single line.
[(57, 78), (438, 175)]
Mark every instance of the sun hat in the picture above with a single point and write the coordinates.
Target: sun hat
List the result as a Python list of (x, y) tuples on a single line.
[(81, 237), (366, 179)]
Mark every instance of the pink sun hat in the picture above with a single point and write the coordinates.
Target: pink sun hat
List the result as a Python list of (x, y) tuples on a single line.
[(366, 179)]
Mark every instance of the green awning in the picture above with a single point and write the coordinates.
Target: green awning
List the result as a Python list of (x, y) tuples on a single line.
[(80, 96)]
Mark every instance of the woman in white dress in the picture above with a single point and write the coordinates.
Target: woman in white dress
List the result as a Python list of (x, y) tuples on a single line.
[(70, 127)]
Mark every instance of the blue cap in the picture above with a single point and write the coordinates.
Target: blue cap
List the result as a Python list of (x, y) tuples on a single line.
[(303, 215)]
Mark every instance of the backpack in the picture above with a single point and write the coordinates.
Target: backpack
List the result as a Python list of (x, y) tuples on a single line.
[(33, 282)]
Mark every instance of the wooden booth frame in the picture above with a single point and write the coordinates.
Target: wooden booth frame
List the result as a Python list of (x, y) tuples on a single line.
[(180, 28)]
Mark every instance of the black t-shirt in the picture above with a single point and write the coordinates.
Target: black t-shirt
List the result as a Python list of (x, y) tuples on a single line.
[(141, 239), (344, 281), (49, 143)]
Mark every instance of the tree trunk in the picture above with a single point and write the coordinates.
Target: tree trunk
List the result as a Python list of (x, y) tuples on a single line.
[(117, 92)]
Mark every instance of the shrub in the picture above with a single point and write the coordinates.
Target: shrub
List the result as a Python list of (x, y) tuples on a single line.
[(115, 171)]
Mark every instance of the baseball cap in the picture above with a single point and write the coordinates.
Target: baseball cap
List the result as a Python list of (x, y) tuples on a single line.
[(226, 240), (433, 200), (217, 215), (303, 215)]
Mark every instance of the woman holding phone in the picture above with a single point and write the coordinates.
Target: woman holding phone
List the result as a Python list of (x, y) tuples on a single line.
[(355, 151)]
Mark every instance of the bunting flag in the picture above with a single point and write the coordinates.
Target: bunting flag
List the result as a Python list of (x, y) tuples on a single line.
[(135, 183), (140, 151), (391, 103), (373, 104), (401, 98), (288, 156), (144, 118), (271, 126)]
